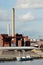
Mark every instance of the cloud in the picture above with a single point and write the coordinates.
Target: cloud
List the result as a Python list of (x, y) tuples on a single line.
[(29, 4), (4, 16), (26, 17)]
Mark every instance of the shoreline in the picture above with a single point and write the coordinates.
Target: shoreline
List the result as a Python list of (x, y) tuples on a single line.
[(11, 55), (14, 59)]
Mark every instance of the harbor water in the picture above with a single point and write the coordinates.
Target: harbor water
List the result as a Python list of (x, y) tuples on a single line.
[(34, 62)]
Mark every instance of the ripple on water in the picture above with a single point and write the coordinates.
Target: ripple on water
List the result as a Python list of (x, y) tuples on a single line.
[(34, 62)]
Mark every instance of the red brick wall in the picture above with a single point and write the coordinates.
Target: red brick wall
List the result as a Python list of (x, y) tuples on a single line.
[(19, 42), (6, 44), (1, 42)]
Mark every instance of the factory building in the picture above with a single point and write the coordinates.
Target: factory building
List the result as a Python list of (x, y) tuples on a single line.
[(14, 39), (18, 40)]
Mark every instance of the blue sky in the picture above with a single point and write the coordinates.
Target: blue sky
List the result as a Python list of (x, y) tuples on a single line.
[(28, 17)]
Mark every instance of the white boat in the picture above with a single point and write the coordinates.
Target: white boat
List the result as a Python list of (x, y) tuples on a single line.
[(24, 58), (28, 57), (21, 58)]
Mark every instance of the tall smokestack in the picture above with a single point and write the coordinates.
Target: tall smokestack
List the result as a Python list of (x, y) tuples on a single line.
[(13, 22), (8, 29)]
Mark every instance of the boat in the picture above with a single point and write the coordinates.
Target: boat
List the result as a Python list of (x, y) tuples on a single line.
[(28, 57), (24, 58), (21, 58)]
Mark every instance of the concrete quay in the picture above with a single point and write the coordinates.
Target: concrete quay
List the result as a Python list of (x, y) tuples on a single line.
[(8, 55)]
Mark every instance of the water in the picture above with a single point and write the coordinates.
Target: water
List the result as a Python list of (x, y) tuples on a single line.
[(34, 62)]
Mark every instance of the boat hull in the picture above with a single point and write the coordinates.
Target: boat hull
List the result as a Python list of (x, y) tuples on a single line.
[(26, 59), (23, 59)]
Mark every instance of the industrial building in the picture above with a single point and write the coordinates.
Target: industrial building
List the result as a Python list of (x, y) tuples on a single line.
[(14, 39), (18, 40)]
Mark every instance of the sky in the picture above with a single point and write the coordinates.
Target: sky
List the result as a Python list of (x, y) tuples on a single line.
[(28, 17)]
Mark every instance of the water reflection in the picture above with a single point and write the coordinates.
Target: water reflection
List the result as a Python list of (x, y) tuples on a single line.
[(34, 62)]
